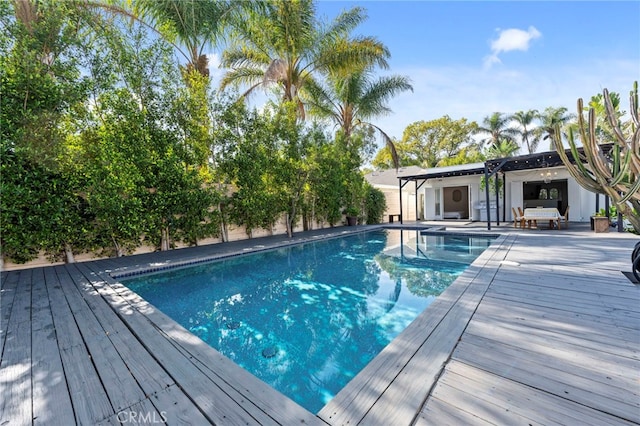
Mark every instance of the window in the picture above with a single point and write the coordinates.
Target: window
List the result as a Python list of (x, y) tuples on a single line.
[(457, 195), (543, 194), (437, 201)]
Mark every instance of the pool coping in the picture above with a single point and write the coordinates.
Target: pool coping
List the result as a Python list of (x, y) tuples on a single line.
[(131, 271)]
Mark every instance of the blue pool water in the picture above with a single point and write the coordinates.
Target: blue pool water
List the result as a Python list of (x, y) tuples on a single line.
[(306, 319)]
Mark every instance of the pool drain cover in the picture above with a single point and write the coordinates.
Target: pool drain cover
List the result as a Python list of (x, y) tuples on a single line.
[(233, 325), (270, 352)]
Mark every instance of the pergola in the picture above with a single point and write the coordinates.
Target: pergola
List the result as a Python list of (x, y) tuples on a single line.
[(490, 169)]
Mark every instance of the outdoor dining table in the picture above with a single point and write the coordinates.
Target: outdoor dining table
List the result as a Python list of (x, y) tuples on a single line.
[(536, 214)]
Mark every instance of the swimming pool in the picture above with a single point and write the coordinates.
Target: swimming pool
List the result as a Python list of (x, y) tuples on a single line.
[(306, 319)]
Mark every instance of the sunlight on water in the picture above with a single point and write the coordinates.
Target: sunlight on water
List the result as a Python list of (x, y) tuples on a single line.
[(308, 318)]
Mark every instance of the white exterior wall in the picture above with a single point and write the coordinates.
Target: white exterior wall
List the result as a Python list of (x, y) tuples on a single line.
[(475, 195), (393, 201), (581, 201)]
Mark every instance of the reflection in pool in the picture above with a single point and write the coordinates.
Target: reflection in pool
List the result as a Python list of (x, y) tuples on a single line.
[(306, 319)]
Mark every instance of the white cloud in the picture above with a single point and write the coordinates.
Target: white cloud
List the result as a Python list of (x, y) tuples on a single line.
[(215, 72), (508, 40)]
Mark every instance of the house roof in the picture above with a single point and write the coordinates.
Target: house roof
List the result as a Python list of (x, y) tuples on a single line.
[(448, 171), (538, 160), (390, 176)]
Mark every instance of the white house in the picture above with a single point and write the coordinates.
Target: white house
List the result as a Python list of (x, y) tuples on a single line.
[(456, 192)]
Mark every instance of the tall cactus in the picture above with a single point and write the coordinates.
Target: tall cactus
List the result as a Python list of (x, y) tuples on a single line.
[(605, 169)]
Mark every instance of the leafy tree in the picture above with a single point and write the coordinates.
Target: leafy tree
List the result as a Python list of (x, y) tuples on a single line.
[(41, 84), (433, 143), (284, 45), (40, 210), (375, 204), (190, 26), (466, 155), (496, 127), (526, 131), (112, 189), (295, 143), (248, 161), (143, 141), (328, 192), (41, 79)]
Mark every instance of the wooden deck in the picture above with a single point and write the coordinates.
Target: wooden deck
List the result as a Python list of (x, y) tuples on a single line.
[(542, 329)]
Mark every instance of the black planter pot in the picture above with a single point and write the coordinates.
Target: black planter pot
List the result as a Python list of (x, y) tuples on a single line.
[(352, 220)]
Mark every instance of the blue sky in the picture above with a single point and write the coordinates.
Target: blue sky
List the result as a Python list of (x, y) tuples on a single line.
[(576, 49), (469, 59)]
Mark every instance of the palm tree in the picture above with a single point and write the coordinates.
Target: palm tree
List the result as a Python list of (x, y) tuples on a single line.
[(354, 99), (351, 101), (503, 149), (190, 26), (527, 133), (603, 128), (497, 127), (284, 45), (549, 119)]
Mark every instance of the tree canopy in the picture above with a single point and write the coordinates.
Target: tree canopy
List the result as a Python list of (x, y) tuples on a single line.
[(111, 141)]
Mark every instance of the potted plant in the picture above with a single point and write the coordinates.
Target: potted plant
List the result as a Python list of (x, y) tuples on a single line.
[(600, 222), (352, 216)]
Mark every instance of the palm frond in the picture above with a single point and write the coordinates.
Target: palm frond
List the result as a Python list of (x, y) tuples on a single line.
[(344, 23), (390, 145), (241, 77), (237, 58), (373, 101)]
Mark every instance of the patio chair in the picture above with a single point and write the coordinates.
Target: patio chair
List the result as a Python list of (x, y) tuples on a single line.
[(565, 218), (517, 218), (521, 214)]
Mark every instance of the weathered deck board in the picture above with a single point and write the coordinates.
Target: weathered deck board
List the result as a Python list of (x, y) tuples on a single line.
[(611, 378), (514, 293), (440, 413), (122, 389), (507, 402), (582, 329), (89, 406), (141, 413), (557, 379), (552, 343), (601, 301), (146, 371), (48, 379), (8, 291), (174, 406), (15, 366)]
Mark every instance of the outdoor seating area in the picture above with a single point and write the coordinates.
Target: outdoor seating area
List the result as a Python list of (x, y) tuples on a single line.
[(521, 338), (529, 217), (551, 215)]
